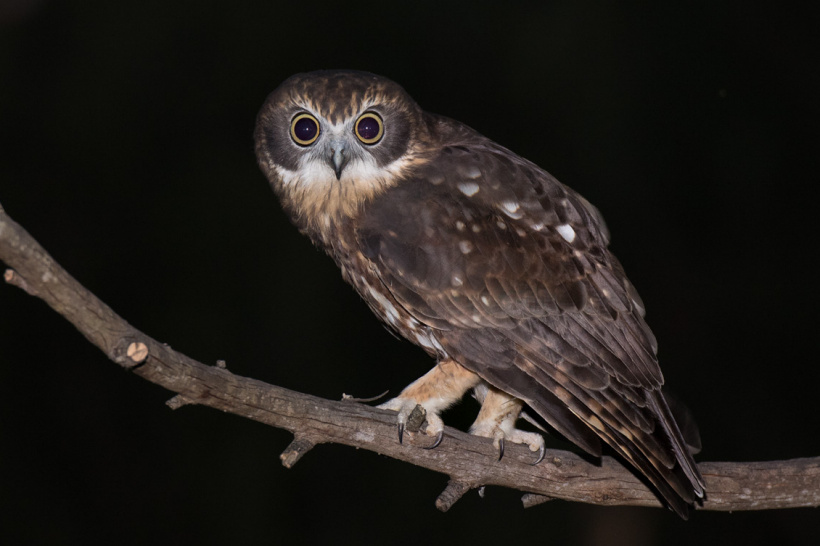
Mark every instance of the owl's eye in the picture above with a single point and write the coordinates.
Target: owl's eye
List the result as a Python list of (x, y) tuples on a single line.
[(304, 129), (369, 128)]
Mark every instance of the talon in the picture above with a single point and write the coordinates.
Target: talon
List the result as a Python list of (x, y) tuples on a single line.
[(541, 454), (412, 415), (496, 420), (439, 438)]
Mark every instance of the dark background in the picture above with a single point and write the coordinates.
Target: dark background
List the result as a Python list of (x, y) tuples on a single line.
[(126, 150)]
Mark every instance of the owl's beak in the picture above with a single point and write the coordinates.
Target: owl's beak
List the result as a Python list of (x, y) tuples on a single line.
[(338, 160)]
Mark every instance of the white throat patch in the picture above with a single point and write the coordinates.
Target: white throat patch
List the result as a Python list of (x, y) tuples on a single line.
[(316, 192)]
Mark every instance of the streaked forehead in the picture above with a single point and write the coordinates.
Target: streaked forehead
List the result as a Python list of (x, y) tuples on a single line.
[(338, 95)]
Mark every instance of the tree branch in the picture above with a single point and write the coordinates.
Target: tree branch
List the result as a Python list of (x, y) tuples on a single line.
[(469, 461)]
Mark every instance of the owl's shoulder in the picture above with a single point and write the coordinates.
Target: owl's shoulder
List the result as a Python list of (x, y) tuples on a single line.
[(466, 174)]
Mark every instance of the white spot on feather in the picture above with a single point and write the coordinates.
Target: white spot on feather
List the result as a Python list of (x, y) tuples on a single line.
[(468, 188), (390, 311), (511, 209), (469, 171), (423, 341), (465, 246), (436, 179), (457, 281), (510, 206), (428, 341), (566, 231)]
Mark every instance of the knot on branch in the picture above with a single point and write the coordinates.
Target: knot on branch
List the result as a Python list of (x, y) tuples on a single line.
[(130, 351), (13, 278), (137, 352)]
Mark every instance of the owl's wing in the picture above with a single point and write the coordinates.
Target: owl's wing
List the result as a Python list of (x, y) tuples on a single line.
[(511, 271)]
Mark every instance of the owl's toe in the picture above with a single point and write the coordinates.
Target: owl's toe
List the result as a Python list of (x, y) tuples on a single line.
[(411, 416), (496, 421)]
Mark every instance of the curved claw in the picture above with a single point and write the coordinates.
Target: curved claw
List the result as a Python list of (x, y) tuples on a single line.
[(541, 454), (401, 432), (439, 438), (500, 448)]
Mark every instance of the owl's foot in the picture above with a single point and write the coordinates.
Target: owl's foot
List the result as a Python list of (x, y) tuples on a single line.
[(497, 418), (435, 391)]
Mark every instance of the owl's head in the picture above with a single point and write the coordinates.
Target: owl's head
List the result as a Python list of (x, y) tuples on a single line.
[(330, 140)]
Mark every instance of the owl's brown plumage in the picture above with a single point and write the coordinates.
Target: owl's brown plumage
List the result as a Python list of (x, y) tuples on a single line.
[(495, 268)]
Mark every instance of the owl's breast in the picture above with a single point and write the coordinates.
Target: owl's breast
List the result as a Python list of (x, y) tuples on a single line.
[(362, 274)]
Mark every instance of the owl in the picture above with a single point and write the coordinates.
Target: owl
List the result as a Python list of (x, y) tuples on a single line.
[(496, 269)]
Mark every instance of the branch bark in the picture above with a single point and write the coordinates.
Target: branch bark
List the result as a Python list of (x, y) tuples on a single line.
[(469, 461)]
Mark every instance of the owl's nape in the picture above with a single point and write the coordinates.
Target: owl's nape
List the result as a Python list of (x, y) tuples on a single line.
[(497, 270)]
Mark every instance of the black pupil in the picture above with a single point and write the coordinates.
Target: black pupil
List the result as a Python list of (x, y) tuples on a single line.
[(368, 128), (305, 129)]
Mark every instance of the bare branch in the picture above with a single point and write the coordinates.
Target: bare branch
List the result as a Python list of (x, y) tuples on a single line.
[(469, 461)]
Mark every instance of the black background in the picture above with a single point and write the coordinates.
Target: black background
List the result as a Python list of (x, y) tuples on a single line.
[(126, 150)]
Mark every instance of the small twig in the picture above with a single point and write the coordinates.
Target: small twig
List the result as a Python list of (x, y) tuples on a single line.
[(296, 450), (534, 499), (451, 494), (349, 398), (177, 402)]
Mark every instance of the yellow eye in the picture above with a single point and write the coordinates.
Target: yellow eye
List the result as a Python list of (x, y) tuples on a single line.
[(304, 129), (369, 128)]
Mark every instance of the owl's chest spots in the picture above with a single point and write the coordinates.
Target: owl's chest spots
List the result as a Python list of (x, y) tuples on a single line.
[(361, 273)]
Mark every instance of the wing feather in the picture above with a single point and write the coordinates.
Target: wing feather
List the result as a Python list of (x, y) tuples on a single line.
[(511, 272)]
